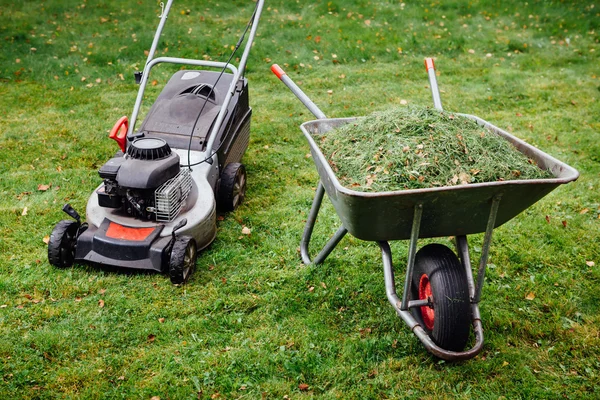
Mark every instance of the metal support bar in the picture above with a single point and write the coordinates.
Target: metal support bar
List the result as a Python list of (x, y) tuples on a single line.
[(308, 229), (485, 249), (163, 19), (462, 248), (412, 251)]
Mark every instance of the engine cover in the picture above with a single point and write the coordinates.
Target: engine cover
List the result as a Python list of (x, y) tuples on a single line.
[(149, 164)]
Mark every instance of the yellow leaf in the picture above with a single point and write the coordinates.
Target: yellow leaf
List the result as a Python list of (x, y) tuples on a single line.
[(530, 296)]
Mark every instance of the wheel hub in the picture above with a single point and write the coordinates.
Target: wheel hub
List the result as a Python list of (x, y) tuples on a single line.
[(425, 293)]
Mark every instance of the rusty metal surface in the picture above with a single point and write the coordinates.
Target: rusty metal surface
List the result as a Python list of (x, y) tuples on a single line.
[(447, 211)]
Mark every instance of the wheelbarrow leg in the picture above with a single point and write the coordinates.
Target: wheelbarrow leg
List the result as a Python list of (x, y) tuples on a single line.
[(308, 229)]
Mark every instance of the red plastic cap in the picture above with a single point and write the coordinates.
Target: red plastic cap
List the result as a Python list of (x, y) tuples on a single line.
[(429, 64), (276, 69)]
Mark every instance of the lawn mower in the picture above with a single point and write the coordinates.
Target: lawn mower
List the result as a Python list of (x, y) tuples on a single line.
[(156, 206)]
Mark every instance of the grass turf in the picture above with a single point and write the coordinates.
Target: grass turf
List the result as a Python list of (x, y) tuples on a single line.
[(253, 322)]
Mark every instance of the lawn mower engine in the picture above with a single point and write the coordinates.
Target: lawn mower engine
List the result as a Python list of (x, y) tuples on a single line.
[(146, 183)]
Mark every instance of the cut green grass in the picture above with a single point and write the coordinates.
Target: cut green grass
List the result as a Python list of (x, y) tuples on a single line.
[(414, 148)]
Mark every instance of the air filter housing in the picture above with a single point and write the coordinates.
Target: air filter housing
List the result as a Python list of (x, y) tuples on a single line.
[(149, 149)]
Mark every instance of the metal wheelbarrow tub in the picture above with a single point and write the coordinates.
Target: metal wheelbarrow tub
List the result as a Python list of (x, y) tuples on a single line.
[(447, 211)]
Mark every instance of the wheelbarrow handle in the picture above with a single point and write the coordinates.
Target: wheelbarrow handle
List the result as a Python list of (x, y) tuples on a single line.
[(437, 101), (312, 107)]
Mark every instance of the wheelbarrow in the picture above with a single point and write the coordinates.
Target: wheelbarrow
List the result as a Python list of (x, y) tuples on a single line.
[(441, 295)]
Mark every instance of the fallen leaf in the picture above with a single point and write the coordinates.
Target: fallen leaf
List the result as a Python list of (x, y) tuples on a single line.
[(564, 222), (121, 378), (24, 212), (505, 363), (403, 102), (368, 22), (43, 188), (519, 114), (161, 320), (102, 291), (303, 387), (530, 296), (4, 306), (246, 230), (155, 398), (547, 218), (151, 337), (590, 263), (100, 303), (585, 210)]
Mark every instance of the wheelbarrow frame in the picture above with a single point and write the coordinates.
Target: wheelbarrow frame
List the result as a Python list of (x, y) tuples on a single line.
[(423, 213)]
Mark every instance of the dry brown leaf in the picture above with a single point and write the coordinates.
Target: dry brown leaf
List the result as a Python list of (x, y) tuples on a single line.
[(585, 210), (530, 296), (303, 387), (246, 230), (43, 188), (590, 263), (151, 337), (100, 303), (161, 320), (24, 212)]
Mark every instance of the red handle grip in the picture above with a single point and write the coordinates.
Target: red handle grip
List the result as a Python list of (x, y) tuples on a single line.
[(119, 132), (429, 64), (277, 70)]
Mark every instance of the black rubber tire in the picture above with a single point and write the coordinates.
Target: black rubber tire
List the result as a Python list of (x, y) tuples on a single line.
[(62, 243), (232, 189), (451, 315), (182, 262)]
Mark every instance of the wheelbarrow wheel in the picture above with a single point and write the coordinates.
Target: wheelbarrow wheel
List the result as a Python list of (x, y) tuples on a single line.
[(439, 276), (232, 189), (62, 243), (183, 260)]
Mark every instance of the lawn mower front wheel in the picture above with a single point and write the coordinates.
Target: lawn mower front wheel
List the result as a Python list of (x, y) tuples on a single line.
[(61, 246), (232, 189), (439, 277), (183, 259)]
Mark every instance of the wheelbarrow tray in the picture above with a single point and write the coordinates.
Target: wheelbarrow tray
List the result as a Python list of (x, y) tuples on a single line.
[(447, 211)]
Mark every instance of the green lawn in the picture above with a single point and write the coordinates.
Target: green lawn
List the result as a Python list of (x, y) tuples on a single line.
[(254, 321)]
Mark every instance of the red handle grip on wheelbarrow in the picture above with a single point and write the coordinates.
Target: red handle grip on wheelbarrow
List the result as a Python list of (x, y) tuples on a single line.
[(277, 70), (119, 132)]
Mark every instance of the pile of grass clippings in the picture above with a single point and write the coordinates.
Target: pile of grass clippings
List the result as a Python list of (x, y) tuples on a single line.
[(414, 148)]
